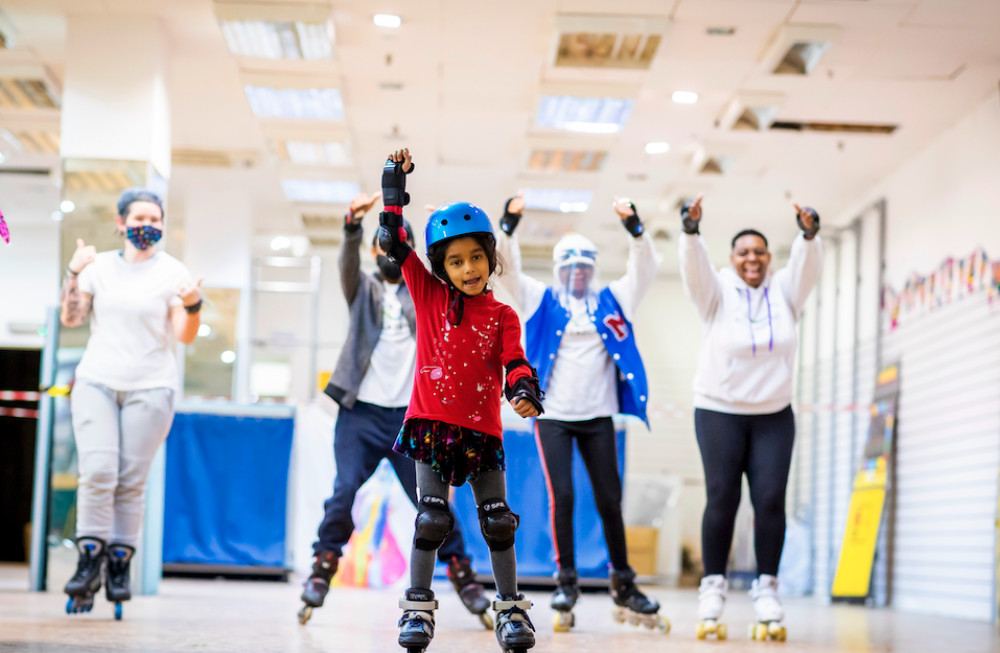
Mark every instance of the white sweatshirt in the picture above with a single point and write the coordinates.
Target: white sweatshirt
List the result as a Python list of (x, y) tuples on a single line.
[(747, 356)]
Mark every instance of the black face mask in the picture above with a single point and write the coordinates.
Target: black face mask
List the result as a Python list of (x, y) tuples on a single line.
[(389, 270)]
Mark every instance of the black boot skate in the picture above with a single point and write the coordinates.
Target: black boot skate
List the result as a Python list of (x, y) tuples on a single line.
[(117, 581), (463, 579), (318, 583), (515, 632), (86, 582), (631, 605), (416, 626), (564, 599)]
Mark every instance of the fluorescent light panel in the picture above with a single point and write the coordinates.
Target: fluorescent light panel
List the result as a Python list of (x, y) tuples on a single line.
[(657, 147), (266, 39), (584, 115), (311, 153), (25, 94), (555, 199), (316, 103), (320, 190), (606, 50)]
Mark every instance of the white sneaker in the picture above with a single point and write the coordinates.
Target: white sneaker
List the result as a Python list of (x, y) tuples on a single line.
[(712, 596), (766, 604)]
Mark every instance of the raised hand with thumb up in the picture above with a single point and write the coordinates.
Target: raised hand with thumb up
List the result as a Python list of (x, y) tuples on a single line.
[(82, 257)]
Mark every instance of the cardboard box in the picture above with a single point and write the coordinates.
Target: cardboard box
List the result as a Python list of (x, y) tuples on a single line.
[(642, 542)]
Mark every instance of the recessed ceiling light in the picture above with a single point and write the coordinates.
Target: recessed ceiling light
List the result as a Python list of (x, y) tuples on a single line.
[(67, 206), (685, 97), (204, 330), (388, 20), (657, 147), (227, 356), (279, 243), (56, 216)]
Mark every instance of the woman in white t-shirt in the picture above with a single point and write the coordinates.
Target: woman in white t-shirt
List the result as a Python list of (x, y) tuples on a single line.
[(141, 301), (743, 417)]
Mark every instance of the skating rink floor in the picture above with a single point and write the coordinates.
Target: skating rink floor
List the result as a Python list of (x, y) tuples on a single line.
[(207, 615)]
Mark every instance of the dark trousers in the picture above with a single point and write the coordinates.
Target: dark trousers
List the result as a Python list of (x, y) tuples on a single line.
[(363, 436), (596, 441), (759, 446)]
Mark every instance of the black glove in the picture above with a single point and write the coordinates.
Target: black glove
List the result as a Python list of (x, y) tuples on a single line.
[(526, 387), (351, 226), (633, 224), (394, 184), (509, 221), (392, 236), (809, 234), (687, 224)]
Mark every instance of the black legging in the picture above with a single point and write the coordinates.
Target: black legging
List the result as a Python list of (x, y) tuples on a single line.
[(596, 440), (761, 447)]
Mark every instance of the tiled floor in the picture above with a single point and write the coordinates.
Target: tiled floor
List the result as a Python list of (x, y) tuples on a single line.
[(194, 615)]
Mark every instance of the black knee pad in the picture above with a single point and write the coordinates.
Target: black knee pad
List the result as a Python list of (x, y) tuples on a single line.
[(498, 524), (434, 522)]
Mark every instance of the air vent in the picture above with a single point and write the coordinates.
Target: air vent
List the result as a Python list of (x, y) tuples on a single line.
[(751, 111), (391, 86), (613, 42), (567, 160), (835, 127), (720, 31), (109, 181), (324, 241), (322, 221), (629, 51), (32, 142), (797, 49), (213, 158), (25, 94)]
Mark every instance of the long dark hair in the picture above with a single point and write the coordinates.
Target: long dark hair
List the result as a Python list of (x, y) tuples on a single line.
[(436, 254)]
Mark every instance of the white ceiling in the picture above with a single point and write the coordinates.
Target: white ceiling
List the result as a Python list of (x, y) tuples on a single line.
[(473, 73)]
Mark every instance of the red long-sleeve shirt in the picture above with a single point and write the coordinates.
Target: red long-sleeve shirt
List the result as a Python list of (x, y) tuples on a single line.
[(460, 369)]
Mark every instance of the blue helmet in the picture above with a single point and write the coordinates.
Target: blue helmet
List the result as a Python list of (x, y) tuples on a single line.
[(456, 219)]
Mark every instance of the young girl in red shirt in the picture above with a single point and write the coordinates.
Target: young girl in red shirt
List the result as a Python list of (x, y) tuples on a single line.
[(468, 344)]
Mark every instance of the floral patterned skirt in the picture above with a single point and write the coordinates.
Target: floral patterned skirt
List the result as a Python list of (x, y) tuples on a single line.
[(457, 453)]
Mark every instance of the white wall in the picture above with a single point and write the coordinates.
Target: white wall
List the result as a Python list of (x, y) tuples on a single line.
[(29, 272), (945, 202)]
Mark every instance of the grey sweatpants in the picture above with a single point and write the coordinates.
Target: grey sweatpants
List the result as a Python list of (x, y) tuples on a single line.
[(117, 435)]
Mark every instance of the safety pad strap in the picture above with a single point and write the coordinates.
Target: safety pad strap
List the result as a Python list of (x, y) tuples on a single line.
[(422, 606), (500, 606)]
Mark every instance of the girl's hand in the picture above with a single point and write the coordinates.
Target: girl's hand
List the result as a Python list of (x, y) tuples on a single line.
[(524, 408), (404, 156)]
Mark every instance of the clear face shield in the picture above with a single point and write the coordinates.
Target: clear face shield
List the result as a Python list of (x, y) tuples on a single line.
[(575, 268)]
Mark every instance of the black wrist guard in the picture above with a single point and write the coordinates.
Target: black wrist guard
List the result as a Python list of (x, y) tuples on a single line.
[(809, 234), (349, 225), (193, 308), (394, 184), (633, 224), (687, 224), (526, 387), (392, 236), (509, 221)]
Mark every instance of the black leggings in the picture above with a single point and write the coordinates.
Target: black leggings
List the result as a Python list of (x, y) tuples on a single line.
[(596, 440), (761, 447)]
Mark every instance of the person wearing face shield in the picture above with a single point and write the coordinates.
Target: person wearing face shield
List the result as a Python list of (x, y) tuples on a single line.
[(140, 301), (580, 339), (742, 397), (372, 383)]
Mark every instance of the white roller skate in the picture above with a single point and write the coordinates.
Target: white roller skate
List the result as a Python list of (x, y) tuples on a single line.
[(711, 600), (767, 610), (632, 606)]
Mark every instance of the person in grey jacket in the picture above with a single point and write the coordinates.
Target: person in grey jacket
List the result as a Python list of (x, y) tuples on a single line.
[(372, 383)]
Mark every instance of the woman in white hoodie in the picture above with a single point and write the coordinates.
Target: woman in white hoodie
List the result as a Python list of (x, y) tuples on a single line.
[(742, 399)]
